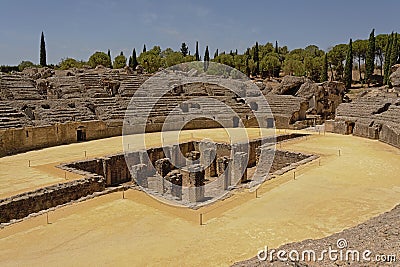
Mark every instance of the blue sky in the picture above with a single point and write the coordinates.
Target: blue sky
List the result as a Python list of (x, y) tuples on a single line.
[(79, 28)]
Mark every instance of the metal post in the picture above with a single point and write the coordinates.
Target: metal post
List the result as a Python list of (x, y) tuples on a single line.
[(201, 218), (29, 163), (123, 193), (47, 217), (339, 152), (65, 175), (85, 153), (294, 175)]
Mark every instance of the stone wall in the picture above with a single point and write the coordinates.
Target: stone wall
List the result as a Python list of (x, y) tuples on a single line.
[(20, 206), (374, 117), (15, 140)]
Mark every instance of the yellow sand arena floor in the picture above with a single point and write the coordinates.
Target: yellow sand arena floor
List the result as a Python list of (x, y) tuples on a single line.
[(327, 196)]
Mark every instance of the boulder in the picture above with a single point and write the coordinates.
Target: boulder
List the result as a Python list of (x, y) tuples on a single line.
[(395, 76), (307, 90), (290, 85), (46, 72)]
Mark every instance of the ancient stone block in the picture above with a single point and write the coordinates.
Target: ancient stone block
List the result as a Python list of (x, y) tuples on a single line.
[(139, 175), (239, 168), (223, 171)]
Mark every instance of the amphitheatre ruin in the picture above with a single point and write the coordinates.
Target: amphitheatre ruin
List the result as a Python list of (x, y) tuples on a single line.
[(84, 181)]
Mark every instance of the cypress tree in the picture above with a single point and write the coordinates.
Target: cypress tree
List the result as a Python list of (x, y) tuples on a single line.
[(42, 51), (134, 59), (386, 64), (109, 55), (370, 57), (206, 59), (394, 51), (256, 60), (196, 55), (324, 74), (276, 47), (216, 53), (144, 48), (348, 69)]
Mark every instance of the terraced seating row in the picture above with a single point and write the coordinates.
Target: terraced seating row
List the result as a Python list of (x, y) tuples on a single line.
[(18, 88), (10, 117)]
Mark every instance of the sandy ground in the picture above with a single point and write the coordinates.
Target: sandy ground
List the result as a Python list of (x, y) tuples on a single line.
[(17, 176), (344, 191)]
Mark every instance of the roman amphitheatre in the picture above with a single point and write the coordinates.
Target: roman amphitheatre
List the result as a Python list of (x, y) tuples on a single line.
[(75, 191)]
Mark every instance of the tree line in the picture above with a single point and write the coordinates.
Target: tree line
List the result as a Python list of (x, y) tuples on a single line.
[(372, 58)]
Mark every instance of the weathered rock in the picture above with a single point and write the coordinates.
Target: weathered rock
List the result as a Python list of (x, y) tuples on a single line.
[(395, 76), (289, 85), (323, 98)]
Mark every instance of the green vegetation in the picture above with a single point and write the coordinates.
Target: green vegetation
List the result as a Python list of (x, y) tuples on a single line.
[(42, 51), (324, 74), (69, 63), (197, 55), (261, 60), (99, 58), (25, 64), (370, 57), (133, 60), (119, 61), (184, 49), (348, 70)]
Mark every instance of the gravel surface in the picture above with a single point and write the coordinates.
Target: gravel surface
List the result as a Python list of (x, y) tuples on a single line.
[(380, 235)]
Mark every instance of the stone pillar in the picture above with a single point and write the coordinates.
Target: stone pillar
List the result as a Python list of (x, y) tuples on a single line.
[(192, 158), (107, 171), (174, 181), (195, 190), (163, 167), (174, 154), (224, 170), (144, 159), (208, 160), (139, 175), (239, 168)]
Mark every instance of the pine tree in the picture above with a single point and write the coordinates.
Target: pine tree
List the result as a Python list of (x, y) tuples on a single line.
[(184, 49), (109, 55), (144, 48), (216, 53), (42, 51), (206, 59), (196, 55), (348, 69), (370, 57), (324, 74), (386, 64), (256, 60)]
